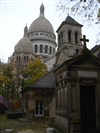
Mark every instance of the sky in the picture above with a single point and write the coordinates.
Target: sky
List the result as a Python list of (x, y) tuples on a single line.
[(15, 14)]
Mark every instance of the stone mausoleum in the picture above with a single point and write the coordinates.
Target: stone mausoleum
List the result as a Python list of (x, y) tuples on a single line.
[(77, 82)]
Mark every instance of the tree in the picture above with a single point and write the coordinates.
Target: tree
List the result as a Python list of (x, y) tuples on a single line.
[(34, 71), (2, 88), (6, 80), (86, 9)]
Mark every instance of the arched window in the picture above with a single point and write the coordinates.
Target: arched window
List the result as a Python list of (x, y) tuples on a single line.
[(41, 33), (24, 58), (76, 37), (41, 48), (50, 50), (27, 58), (53, 50), (19, 59), (36, 33), (69, 36), (46, 49), (36, 49)]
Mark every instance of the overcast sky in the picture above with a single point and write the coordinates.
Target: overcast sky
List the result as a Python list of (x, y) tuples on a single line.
[(15, 14)]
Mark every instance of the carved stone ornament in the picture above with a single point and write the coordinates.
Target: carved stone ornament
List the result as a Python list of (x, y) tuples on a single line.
[(87, 81)]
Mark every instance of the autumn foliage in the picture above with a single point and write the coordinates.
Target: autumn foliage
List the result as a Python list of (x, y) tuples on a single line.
[(34, 71)]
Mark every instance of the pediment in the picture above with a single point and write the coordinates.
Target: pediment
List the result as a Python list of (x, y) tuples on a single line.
[(86, 63), (85, 60)]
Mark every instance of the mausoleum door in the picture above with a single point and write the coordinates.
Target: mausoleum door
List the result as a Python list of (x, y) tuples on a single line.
[(88, 107)]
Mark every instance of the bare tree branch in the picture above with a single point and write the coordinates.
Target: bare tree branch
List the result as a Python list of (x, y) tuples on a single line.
[(88, 10)]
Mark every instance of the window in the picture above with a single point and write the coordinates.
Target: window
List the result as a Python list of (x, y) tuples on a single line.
[(69, 36), (50, 50), (41, 48), (36, 49), (76, 37), (53, 50), (36, 33), (18, 59), (46, 49), (39, 109), (41, 33), (25, 59)]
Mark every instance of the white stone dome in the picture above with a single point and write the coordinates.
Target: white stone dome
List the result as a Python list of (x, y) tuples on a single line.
[(41, 24), (24, 44)]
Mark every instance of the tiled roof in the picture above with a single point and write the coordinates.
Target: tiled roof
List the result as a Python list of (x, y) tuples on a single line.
[(47, 81), (72, 21), (69, 20)]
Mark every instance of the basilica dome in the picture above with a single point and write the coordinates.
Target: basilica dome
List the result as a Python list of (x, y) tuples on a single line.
[(24, 44), (41, 34), (41, 24)]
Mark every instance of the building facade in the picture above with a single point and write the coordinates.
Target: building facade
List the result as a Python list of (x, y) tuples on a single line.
[(77, 75), (69, 44), (77, 82), (38, 40), (41, 34), (36, 98)]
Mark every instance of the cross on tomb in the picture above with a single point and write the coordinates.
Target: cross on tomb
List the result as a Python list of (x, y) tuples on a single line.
[(84, 40)]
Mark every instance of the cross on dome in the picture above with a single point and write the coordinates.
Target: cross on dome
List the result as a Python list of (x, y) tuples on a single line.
[(84, 40)]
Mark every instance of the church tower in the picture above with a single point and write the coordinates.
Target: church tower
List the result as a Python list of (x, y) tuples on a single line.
[(69, 34)]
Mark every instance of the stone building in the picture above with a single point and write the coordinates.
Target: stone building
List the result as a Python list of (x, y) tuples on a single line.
[(36, 98), (76, 75), (69, 44), (77, 82), (38, 40), (23, 51), (42, 36)]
